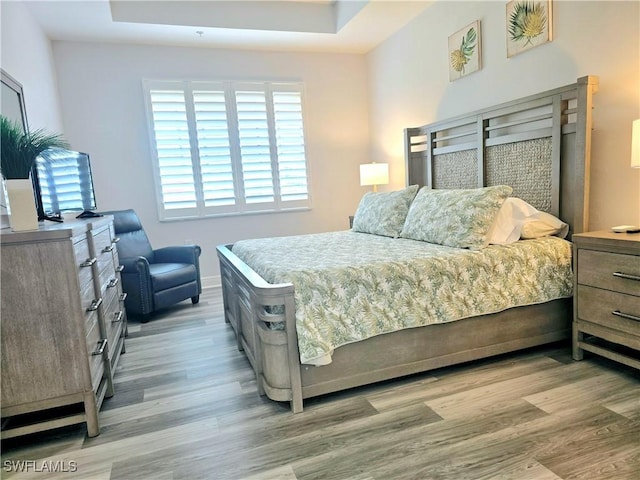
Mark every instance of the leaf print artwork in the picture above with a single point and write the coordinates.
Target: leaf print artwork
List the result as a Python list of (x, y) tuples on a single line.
[(460, 57), (527, 21), (528, 25), (464, 51)]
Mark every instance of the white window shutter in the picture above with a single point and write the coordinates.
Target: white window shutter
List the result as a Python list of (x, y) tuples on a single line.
[(289, 132), (173, 149), (213, 148), (226, 147), (255, 151)]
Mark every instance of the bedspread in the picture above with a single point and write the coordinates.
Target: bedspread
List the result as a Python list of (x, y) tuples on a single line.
[(349, 286)]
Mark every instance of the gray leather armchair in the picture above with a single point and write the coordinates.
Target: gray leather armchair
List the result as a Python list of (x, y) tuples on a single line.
[(154, 279)]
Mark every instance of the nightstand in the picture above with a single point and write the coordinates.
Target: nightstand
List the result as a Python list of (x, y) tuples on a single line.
[(606, 297)]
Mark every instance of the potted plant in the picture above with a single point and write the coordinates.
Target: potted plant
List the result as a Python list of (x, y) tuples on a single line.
[(18, 152)]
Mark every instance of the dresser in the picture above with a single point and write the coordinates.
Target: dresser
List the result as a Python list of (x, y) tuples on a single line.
[(63, 324), (606, 319)]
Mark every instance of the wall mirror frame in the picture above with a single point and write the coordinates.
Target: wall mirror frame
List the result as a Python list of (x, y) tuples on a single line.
[(12, 106)]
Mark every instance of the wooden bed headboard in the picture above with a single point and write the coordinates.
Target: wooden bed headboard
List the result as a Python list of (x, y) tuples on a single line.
[(540, 145)]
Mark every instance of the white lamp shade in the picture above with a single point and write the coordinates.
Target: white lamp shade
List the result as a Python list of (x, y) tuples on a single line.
[(635, 144), (374, 174)]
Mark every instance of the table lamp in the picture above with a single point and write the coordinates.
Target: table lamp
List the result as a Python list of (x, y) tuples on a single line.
[(374, 174)]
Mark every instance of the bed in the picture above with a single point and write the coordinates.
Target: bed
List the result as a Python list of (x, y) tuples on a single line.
[(537, 147)]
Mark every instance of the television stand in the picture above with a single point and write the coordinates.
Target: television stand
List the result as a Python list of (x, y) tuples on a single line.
[(52, 218), (89, 214)]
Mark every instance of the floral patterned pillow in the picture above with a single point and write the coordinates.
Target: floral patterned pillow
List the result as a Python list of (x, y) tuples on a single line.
[(456, 218), (383, 213)]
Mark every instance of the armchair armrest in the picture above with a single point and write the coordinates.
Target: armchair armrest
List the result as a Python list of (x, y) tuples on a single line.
[(135, 265), (177, 254), (136, 281)]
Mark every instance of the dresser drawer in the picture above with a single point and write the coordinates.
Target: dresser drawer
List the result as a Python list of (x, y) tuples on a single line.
[(84, 262), (87, 296), (96, 362), (612, 271), (611, 309), (104, 246), (113, 318)]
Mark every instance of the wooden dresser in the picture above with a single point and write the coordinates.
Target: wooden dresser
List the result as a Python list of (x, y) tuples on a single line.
[(606, 318), (63, 324)]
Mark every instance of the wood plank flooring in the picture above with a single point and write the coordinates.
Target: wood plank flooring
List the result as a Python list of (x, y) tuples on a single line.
[(186, 407)]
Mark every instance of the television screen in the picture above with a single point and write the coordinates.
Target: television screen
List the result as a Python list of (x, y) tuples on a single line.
[(64, 182)]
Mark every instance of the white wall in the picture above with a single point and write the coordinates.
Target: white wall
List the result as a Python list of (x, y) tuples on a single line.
[(27, 57), (103, 113), (409, 84)]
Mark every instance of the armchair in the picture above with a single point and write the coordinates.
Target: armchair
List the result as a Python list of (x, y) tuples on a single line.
[(154, 279)]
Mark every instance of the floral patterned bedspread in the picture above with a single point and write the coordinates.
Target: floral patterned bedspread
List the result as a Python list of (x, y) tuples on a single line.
[(350, 286)]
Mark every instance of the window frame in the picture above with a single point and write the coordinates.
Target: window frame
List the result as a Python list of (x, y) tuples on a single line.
[(229, 87)]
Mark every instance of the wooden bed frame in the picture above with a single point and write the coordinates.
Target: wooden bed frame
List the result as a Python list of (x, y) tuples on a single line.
[(540, 145)]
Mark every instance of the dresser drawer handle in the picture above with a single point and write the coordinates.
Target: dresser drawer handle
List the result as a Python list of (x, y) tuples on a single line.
[(88, 262), (115, 240), (102, 344), (123, 296), (119, 268), (107, 249), (117, 317), (626, 275), (618, 313), (112, 283), (94, 305)]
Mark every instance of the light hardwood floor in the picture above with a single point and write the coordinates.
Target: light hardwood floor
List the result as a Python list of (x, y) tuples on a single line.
[(186, 407)]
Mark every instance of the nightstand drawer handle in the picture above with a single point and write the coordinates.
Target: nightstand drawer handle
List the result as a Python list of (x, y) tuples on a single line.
[(626, 275), (101, 346), (113, 282), (618, 313), (117, 317), (107, 249)]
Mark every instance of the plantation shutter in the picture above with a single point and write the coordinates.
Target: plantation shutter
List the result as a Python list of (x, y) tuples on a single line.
[(227, 147), (173, 149), (255, 148), (213, 147), (289, 132)]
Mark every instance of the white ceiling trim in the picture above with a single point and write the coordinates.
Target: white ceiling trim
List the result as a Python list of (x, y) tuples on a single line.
[(359, 25), (284, 16)]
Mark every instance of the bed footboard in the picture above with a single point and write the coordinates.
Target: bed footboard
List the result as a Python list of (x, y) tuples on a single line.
[(262, 316)]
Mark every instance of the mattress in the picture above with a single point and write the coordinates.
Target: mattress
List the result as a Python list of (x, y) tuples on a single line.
[(350, 286)]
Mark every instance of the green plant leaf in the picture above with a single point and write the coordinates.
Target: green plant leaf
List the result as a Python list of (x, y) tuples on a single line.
[(18, 150)]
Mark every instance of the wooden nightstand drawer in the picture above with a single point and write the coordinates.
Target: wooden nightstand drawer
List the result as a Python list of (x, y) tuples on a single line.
[(606, 299), (612, 271), (611, 309)]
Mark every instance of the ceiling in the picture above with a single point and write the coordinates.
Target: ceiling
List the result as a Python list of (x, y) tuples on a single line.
[(349, 26)]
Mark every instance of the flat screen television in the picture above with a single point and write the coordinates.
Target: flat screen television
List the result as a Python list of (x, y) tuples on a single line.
[(63, 183)]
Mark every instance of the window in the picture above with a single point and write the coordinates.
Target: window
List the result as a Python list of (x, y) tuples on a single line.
[(227, 147)]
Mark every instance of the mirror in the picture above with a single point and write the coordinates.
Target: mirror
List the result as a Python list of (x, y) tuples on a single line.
[(12, 100), (12, 107)]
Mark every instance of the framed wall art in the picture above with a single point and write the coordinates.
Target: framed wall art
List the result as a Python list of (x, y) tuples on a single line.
[(528, 25), (464, 51)]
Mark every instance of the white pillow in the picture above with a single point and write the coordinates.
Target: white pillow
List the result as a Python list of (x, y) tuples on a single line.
[(543, 224), (507, 225), (517, 219)]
